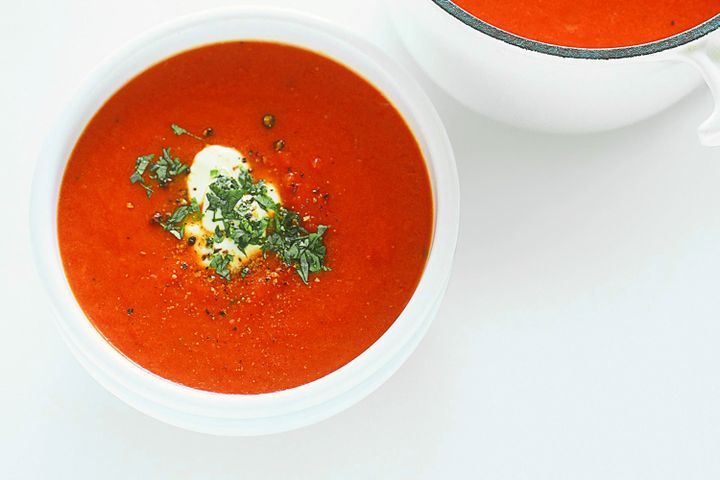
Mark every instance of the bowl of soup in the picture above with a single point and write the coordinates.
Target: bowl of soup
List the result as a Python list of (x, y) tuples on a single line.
[(245, 220), (566, 66)]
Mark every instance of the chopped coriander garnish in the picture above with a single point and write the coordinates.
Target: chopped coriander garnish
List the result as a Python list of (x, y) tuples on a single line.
[(162, 170), (234, 204), (178, 130), (295, 246), (141, 164), (231, 203), (220, 263), (175, 223), (166, 168)]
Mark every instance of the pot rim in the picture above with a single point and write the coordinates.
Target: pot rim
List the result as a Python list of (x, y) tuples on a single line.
[(649, 48)]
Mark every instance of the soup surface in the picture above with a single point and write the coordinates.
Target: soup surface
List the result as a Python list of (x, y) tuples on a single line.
[(328, 145), (593, 23)]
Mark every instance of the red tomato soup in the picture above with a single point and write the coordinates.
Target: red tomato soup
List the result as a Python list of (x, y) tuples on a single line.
[(593, 23), (344, 216)]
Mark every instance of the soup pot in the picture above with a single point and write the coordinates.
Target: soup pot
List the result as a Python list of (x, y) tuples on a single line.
[(546, 87), (232, 414)]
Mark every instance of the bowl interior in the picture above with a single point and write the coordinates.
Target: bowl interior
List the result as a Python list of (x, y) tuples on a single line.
[(116, 371)]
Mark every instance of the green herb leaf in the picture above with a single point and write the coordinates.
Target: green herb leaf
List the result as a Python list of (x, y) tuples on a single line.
[(232, 201), (178, 130), (163, 170), (220, 263), (265, 202), (175, 224), (296, 246), (166, 168), (141, 164)]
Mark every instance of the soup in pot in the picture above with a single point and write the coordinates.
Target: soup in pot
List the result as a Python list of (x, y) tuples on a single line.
[(593, 23)]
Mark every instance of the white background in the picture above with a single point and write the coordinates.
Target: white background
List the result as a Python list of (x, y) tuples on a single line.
[(578, 339)]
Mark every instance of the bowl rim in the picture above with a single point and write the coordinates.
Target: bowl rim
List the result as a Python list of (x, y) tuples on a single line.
[(127, 379), (649, 48)]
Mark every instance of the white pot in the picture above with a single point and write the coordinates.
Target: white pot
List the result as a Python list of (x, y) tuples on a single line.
[(272, 412), (539, 86)]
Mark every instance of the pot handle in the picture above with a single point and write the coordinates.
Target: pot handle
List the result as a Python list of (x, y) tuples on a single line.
[(705, 56)]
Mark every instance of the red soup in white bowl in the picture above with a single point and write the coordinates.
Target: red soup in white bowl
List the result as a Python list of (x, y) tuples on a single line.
[(246, 220)]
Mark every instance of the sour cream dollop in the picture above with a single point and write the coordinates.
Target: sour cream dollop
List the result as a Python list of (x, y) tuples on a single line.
[(209, 163)]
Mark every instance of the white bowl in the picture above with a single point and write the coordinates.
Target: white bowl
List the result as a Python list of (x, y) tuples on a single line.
[(534, 85), (231, 414)]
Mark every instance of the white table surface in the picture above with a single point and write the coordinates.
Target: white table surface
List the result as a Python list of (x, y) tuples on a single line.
[(578, 339)]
